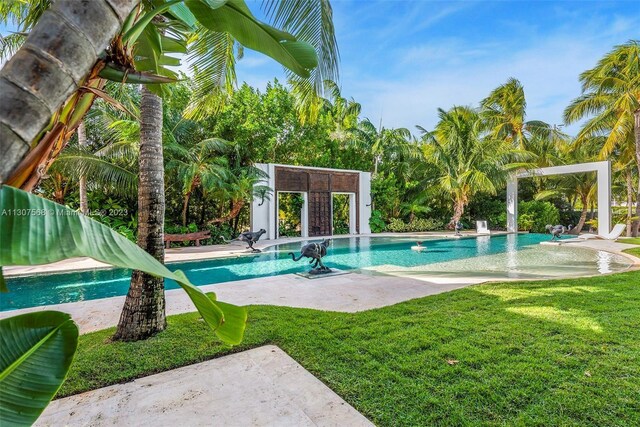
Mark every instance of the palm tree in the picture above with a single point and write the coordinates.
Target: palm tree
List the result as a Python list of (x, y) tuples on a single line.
[(199, 166), (504, 112), (130, 326), (143, 314), (611, 98), (382, 143), (466, 160)]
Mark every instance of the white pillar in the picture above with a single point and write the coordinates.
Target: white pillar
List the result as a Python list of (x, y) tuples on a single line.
[(304, 216), (604, 198), (263, 210), (352, 213), (512, 204), (364, 204)]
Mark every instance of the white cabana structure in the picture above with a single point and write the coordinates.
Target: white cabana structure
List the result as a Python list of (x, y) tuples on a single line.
[(317, 187), (603, 170)]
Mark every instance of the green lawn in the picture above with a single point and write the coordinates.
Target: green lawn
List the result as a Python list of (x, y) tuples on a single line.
[(564, 352), (632, 241)]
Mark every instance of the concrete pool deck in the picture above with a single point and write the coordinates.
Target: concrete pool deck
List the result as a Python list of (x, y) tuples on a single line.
[(350, 292), (259, 387)]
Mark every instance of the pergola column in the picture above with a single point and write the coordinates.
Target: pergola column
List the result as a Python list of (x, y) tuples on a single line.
[(512, 204)]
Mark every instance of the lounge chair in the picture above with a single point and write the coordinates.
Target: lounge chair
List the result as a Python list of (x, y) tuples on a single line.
[(481, 227), (615, 233)]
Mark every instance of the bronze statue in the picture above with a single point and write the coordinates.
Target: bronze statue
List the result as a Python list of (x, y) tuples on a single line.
[(315, 251), (251, 237), (556, 230), (458, 227)]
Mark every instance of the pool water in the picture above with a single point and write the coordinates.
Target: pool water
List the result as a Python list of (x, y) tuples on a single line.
[(518, 256)]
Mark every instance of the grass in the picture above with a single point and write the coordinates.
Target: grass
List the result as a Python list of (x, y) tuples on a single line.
[(632, 241), (563, 352)]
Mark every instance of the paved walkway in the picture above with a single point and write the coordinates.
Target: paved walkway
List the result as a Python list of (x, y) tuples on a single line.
[(259, 387)]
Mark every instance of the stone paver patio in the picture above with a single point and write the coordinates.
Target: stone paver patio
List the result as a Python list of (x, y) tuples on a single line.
[(259, 387)]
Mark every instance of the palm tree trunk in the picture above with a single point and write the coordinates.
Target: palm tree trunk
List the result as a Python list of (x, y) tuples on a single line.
[(63, 50), (458, 211), (143, 314), (628, 180), (185, 208), (636, 131), (583, 215), (82, 184)]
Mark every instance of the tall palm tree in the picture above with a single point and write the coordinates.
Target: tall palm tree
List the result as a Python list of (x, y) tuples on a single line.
[(504, 112), (143, 314), (466, 160), (611, 98), (146, 293)]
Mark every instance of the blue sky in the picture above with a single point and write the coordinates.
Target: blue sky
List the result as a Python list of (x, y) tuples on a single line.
[(403, 59)]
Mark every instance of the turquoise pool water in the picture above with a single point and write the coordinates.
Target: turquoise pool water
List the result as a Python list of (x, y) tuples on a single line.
[(512, 255)]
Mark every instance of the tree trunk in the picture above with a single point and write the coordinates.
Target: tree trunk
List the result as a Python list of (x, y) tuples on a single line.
[(636, 131), (629, 183), (82, 184), (236, 207), (185, 208), (583, 215), (143, 314), (458, 211), (65, 51)]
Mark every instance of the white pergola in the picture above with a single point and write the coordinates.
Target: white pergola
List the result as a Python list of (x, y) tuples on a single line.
[(603, 170)]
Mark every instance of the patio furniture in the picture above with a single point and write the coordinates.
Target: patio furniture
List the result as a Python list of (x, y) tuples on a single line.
[(197, 236), (613, 235), (482, 228)]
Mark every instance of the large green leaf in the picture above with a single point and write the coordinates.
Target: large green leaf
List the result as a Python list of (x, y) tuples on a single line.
[(235, 18), (37, 350), (39, 231)]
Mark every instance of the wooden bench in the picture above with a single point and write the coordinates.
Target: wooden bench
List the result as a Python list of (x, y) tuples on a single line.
[(197, 236)]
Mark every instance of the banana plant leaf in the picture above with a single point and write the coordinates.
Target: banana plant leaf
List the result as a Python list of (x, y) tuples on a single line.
[(235, 18), (37, 350), (38, 231)]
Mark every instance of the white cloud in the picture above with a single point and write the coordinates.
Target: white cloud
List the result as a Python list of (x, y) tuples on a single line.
[(451, 72)]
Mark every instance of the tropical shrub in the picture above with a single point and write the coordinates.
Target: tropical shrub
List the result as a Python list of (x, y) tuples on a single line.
[(540, 213), (398, 226), (376, 222), (525, 222)]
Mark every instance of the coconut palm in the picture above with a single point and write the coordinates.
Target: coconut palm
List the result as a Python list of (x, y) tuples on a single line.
[(466, 160), (219, 59), (198, 166), (504, 112), (383, 144), (611, 98)]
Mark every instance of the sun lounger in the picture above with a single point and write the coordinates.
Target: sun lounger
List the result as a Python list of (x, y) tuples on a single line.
[(481, 227), (615, 233)]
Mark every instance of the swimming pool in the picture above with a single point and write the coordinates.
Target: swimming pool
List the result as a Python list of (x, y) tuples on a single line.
[(513, 256)]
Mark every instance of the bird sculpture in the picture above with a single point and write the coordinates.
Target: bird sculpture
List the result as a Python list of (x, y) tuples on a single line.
[(556, 231)]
